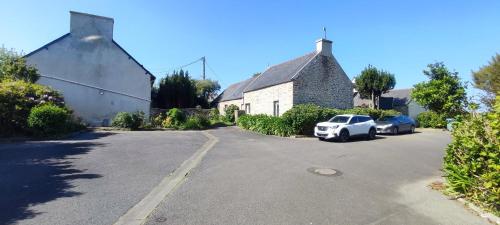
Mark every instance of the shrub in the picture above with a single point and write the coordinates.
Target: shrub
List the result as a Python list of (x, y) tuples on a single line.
[(128, 120), (176, 116), (472, 160), (196, 122), (264, 124), (214, 114), (17, 98), (48, 120), (229, 113), (431, 119)]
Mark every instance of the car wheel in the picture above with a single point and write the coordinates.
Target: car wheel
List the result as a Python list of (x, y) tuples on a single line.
[(344, 135), (395, 131), (412, 129), (372, 133)]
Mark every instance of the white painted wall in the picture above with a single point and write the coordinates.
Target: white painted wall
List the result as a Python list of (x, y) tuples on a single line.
[(222, 105), (261, 101), (88, 56)]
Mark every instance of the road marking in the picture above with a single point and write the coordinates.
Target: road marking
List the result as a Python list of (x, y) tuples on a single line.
[(138, 214)]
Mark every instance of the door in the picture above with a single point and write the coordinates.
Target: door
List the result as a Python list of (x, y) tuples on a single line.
[(404, 124), (355, 126)]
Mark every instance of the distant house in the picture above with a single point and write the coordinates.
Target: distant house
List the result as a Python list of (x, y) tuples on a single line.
[(97, 77), (315, 78), (397, 99)]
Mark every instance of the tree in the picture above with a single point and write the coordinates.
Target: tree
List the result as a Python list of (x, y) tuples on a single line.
[(444, 93), (207, 89), (372, 83), (13, 67), (487, 78), (176, 90)]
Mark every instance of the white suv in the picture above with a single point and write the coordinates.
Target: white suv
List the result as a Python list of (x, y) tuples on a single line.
[(344, 126)]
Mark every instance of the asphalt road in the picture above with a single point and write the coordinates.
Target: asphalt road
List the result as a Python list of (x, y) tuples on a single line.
[(249, 178), (91, 179)]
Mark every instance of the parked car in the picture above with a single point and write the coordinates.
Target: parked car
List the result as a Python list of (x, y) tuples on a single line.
[(395, 125), (342, 127)]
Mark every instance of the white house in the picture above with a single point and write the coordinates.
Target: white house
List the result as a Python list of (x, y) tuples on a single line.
[(97, 77)]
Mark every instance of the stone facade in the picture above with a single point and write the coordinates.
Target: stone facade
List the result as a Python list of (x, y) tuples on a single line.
[(222, 105), (262, 101), (96, 76), (323, 82)]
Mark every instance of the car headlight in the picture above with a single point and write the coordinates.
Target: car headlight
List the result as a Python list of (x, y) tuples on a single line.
[(334, 127)]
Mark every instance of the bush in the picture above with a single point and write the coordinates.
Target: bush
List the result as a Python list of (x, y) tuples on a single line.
[(264, 124), (214, 114), (128, 120), (229, 113), (176, 116), (196, 122), (48, 120), (472, 160), (431, 119), (17, 98)]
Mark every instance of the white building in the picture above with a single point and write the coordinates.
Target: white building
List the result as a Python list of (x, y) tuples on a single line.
[(96, 76)]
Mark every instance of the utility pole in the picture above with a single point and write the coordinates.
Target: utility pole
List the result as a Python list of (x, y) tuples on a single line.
[(203, 60)]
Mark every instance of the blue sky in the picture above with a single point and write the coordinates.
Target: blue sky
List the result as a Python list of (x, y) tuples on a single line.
[(240, 38)]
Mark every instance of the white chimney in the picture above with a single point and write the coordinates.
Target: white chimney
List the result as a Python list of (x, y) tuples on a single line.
[(91, 27), (324, 47)]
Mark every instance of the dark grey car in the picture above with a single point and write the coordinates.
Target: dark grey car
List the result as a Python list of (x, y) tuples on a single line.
[(395, 125)]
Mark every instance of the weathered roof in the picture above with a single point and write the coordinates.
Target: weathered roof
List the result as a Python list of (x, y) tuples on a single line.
[(400, 97), (280, 73), (234, 91)]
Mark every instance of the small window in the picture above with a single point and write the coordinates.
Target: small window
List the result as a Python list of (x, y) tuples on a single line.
[(225, 107), (247, 108), (276, 108), (354, 120)]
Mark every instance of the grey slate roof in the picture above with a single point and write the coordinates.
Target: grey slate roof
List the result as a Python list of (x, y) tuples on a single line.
[(280, 73), (400, 97), (234, 91)]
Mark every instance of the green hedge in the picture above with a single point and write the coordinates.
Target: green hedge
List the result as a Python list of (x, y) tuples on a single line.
[(48, 120), (472, 160), (301, 119), (431, 119), (17, 98), (229, 113)]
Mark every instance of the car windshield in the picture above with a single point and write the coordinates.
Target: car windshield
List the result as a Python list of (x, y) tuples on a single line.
[(387, 118), (339, 119)]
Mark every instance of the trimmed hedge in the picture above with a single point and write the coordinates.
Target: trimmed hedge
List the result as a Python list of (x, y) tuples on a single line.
[(48, 120), (301, 119), (431, 119), (229, 113), (472, 160)]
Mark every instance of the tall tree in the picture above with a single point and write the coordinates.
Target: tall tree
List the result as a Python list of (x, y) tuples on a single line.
[(372, 83), (487, 78), (207, 89), (444, 93), (175, 90), (13, 67)]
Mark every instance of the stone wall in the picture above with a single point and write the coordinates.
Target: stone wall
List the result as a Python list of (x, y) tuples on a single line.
[(222, 105), (261, 101), (323, 82)]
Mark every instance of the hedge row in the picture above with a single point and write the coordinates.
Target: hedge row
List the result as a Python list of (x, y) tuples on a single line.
[(301, 119), (431, 119), (472, 160)]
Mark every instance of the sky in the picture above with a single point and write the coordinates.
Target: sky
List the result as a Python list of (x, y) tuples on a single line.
[(240, 38)]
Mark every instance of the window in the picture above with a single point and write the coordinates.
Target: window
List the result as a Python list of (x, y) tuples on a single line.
[(276, 108), (247, 108), (362, 119), (354, 120), (339, 119), (225, 107)]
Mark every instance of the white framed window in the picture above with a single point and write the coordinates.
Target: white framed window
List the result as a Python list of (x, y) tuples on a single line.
[(276, 108)]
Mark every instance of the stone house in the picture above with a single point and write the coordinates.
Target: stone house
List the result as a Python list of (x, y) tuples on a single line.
[(97, 77), (315, 78), (397, 99)]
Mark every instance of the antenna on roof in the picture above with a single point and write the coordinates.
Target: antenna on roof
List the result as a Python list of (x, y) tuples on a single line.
[(324, 31)]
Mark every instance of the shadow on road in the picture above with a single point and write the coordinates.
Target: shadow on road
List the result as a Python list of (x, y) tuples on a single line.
[(38, 172)]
